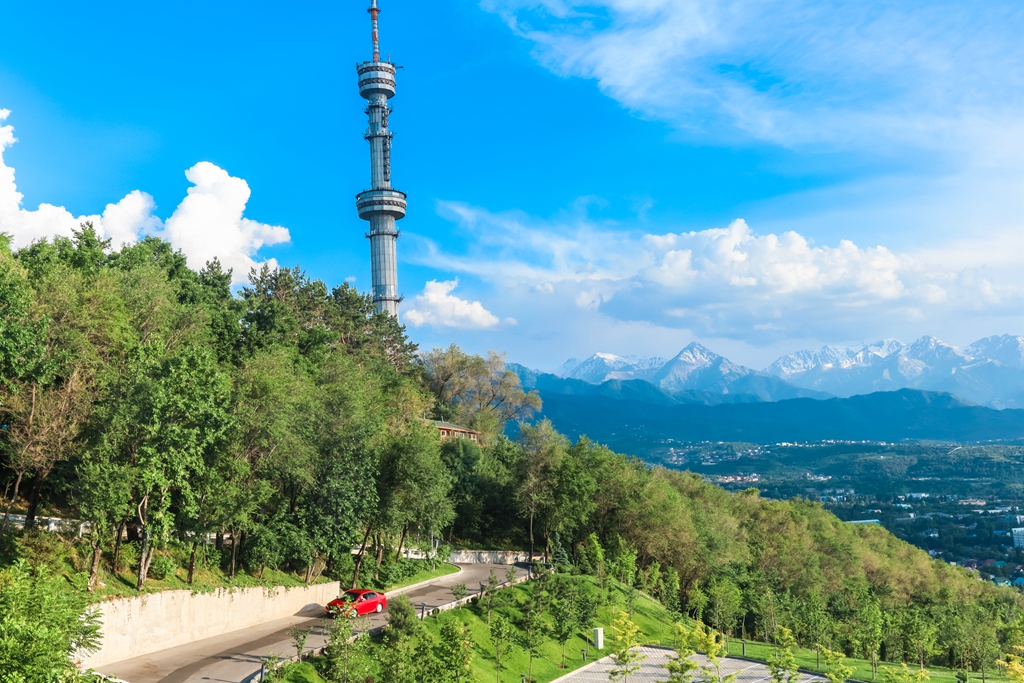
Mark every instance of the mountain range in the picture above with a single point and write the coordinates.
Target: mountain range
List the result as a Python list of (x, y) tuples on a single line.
[(649, 430), (989, 372)]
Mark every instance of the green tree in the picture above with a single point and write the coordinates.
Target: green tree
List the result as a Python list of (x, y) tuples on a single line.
[(867, 633), (490, 593), (475, 391), (814, 622), (398, 661), (346, 655), (533, 632), (299, 637), (782, 663), (713, 645), (586, 615), (565, 620), (726, 604), (838, 671), (503, 638), (922, 635), (682, 667), (402, 620), (456, 651), (43, 626), (902, 674), (543, 450), (626, 656)]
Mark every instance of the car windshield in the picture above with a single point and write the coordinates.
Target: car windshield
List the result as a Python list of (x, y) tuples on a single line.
[(351, 596)]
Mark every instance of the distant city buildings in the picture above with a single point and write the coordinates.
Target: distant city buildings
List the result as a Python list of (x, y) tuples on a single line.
[(1018, 537)]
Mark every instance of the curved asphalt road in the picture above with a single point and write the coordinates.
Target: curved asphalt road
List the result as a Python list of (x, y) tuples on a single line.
[(235, 657)]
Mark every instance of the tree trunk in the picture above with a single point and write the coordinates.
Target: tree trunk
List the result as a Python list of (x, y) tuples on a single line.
[(14, 497), (117, 546), (94, 571), (192, 561), (220, 540), (145, 555), (234, 551), (379, 558), (33, 501), (401, 542), (359, 558), (531, 535)]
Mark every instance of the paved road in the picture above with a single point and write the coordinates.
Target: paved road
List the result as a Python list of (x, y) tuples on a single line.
[(651, 671), (235, 657)]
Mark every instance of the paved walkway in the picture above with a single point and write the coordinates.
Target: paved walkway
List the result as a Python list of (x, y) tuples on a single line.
[(235, 657), (652, 671)]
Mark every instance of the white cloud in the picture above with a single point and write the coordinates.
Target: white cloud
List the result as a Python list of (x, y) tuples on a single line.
[(208, 223), (939, 75), (438, 308), (121, 222), (729, 282)]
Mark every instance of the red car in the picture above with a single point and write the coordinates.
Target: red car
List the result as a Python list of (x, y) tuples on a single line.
[(358, 602)]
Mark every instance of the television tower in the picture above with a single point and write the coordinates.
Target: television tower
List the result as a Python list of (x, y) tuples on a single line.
[(382, 205)]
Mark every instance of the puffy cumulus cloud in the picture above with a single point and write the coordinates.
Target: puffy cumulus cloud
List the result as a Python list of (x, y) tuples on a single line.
[(796, 72), (208, 223), (438, 308), (728, 282), (121, 222)]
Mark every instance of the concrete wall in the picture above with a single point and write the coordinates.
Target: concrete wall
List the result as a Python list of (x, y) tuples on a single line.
[(138, 626), (475, 556), (488, 556)]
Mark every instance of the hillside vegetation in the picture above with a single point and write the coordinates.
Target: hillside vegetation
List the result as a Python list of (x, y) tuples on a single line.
[(203, 432)]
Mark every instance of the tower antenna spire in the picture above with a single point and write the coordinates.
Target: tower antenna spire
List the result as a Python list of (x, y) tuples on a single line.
[(373, 19), (382, 204)]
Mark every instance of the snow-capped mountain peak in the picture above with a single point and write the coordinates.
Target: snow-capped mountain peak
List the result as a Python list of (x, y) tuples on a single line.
[(885, 347), (566, 367), (1005, 349), (602, 366)]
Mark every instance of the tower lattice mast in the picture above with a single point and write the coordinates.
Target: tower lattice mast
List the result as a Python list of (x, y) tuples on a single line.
[(381, 205)]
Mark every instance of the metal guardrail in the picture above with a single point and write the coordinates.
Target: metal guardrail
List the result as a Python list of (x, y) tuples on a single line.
[(423, 613)]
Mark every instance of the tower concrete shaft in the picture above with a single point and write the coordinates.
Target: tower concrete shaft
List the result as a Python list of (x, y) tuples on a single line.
[(381, 205)]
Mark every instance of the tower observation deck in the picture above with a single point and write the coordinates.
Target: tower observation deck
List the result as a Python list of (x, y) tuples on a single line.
[(381, 205)]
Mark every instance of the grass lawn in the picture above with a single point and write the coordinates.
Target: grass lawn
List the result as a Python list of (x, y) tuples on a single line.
[(207, 580), (653, 619), (300, 672), (862, 668), (650, 616)]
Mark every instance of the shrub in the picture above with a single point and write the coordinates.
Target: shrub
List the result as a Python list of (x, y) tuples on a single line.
[(162, 567), (128, 557), (42, 625), (402, 619), (43, 549)]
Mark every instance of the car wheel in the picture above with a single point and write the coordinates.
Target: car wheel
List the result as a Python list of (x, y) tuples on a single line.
[(353, 613), (379, 608)]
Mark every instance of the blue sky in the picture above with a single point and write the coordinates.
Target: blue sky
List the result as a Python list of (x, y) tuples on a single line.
[(615, 175)]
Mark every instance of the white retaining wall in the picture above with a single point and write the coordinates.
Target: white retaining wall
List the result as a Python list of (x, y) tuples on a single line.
[(488, 556), (149, 623)]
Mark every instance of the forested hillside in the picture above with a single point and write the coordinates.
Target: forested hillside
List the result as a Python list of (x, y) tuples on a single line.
[(280, 426)]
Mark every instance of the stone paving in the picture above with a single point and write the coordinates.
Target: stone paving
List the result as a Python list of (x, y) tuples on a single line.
[(651, 670)]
